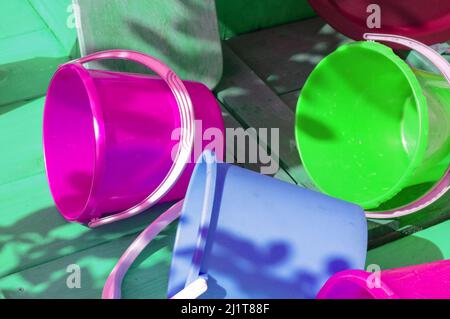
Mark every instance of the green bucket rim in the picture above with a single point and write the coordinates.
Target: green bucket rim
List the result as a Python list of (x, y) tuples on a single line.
[(421, 106)]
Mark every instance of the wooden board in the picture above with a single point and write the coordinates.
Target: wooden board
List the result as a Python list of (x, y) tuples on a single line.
[(243, 16), (255, 105), (182, 33), (30, 51), (424, 246), (299, 47)]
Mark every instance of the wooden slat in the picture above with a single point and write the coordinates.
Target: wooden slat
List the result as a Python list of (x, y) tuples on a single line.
[(424, 246), (32, 231), (232, 123), (291, 99), (182, 33), (255, 105), (284, 56), (147, 278), (385, 231), (21, 140)]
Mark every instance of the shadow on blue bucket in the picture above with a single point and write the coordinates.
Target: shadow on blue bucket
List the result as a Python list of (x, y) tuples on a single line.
[(253, 236)]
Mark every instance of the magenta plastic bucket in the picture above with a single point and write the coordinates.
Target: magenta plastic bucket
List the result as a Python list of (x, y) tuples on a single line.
[(111, 142), (426, 281)]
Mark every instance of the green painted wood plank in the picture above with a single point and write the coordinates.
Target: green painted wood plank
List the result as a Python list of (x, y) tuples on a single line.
[(147, 278), (32, 232), (182, 33), (29, 52), (299, 47), (21, 140), (27, 63), (424, 246), (57, 15), (11, 12)]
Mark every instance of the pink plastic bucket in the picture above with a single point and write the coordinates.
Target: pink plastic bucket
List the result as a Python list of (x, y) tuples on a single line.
[(426, 281), (110, 141)]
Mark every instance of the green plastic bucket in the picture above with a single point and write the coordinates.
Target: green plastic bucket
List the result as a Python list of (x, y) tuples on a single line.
[(368, 126)]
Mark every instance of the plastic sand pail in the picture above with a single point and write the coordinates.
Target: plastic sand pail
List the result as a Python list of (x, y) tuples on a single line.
[(427, 21), (368, 126), (117, 143), (252, 236), (426, 281)]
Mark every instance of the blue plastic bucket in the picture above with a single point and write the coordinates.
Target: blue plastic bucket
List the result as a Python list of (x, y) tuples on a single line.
[(252, 236)]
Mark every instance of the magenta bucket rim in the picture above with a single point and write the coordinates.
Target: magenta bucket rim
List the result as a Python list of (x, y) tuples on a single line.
[(187, 119), (358, 278), (87, 212)]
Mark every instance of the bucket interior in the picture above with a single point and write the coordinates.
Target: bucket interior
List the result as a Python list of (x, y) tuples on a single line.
[(361, 124), (69, 142)]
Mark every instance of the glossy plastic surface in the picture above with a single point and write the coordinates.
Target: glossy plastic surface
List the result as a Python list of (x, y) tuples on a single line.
[(369, 126), (426, 281), (253, 236), (110, 138)]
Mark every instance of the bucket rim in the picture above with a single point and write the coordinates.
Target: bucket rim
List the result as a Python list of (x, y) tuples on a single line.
[(359, 278), (88, 211), (434, 30), (419, 100), (207, 165)]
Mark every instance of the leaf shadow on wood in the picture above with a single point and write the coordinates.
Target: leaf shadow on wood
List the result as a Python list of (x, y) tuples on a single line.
[(411, 250), (300, 47), (42, 270)]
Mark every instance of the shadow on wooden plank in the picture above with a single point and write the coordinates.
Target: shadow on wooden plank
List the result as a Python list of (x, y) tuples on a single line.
[(33, 232), (385, 231), (300, 46), (147, 278), (424, 246), (236, 147), (255, 105)]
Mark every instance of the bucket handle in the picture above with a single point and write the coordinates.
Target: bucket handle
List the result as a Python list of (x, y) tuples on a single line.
[(187, 118), (444, 67), (195, 284), (438, 60), (112, 288)]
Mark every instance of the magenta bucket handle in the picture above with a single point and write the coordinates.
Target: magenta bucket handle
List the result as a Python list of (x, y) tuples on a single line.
[(195, 285), (187, 127), (112, 288), (443, 185)]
